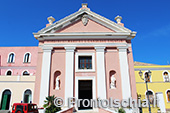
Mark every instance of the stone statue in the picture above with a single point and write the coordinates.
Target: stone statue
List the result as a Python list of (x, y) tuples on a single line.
[(57, 83), (113, 82)]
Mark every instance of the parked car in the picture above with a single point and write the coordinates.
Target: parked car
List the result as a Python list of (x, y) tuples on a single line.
[(24, 108)]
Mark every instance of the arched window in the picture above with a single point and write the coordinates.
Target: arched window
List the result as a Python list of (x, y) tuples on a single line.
[(147, 77), (151, 96), (112, 79), (27, 96), (26, 73), (168, 95), (9, 72), (166, 76), (5, 101), (56, 85), (27, 57), (11, 58)]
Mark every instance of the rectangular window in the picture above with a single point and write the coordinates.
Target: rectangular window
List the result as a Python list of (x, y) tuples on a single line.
[(85, 62)]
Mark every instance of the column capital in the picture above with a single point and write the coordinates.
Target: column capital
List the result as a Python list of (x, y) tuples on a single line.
[(100, 48), (70, 49), (47, 48), (122, 48)]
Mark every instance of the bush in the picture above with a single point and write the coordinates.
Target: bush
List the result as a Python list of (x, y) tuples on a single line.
[(49, 105), (121, 110)]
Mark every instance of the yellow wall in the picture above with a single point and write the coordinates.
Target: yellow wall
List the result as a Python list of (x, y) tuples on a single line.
[(157, 83), (17, 87)]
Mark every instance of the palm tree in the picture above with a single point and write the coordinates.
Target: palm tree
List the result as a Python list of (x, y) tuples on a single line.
[(49, 105)]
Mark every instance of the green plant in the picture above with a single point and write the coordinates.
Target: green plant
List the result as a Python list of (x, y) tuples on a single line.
[(49, 105), (121, 110)]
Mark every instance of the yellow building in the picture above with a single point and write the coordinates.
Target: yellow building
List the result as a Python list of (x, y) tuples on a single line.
[(158, 84)]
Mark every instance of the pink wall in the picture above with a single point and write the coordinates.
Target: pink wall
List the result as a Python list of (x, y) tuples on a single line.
[(112, 63), (90, 27), (18, 66), (58, 64), (38, 76)]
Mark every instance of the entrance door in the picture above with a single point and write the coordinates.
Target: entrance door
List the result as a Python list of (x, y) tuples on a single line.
[(85, 92), (6, 96)]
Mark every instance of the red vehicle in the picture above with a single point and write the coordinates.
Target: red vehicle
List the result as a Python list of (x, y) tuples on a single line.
[(24, 108)]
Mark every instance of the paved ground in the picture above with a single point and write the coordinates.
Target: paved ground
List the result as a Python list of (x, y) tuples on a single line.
[(4, 111)]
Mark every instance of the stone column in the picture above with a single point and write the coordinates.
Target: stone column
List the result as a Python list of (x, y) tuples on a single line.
[(45, 74), (124, 70), (69, 73), (101, 77)]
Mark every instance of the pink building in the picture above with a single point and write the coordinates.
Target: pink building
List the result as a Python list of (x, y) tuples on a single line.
[(83, 55), (17, 75)]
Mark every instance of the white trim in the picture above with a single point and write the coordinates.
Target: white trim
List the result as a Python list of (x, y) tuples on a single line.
[(163, 75), (93, 87), (24, 93), (69, 73), (10, 98), (166, 95), (13, 58), (7, 71), (77, 62), (144, 76), (101, 72), (29, 57), (24, 71), (124, 70), (53, 36), (45, 74)]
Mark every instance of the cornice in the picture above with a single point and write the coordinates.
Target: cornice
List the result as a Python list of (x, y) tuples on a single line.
[(84, 35)]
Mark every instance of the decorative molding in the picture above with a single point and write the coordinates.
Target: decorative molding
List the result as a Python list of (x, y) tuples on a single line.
[(85, 54), (122, 48), (100, 49), (93, 86), (75, 15), (47, 48), (86, 44), (17, 67), (70, 49), (85, 19), (85, 35)]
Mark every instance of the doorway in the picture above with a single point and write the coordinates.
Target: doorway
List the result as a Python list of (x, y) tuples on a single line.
[(27, 96), (85, 92), (5, 102)]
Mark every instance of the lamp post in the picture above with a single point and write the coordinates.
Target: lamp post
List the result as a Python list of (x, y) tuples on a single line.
[(146, 81)]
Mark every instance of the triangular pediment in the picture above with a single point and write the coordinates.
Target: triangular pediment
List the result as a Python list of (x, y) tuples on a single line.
[(75, 19), (78, 26), (84, 24)]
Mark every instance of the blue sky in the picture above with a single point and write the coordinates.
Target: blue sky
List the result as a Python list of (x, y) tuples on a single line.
[(150, 18)]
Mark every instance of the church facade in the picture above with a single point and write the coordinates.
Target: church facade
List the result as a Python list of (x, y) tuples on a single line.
[(83, 55)]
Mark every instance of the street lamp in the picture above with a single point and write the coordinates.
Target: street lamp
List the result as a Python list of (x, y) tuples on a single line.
[(146, 79)]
